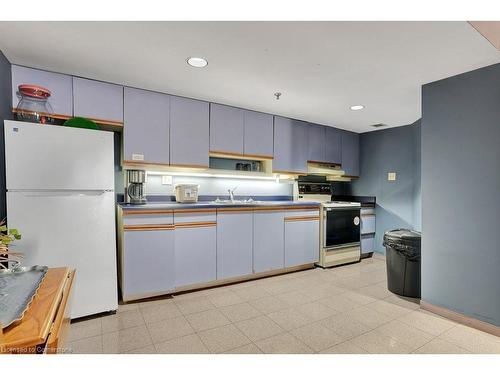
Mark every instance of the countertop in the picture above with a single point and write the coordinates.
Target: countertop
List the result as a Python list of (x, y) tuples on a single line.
[(205, 204)]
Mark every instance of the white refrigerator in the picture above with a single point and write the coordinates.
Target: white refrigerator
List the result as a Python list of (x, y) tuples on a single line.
[(60, 195)]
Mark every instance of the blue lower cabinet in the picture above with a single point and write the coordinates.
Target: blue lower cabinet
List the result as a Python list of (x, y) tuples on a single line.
[(367, 224), (301, 242), (234, 243), (147, 267), (195, 254), (367, 244), (268, 241)]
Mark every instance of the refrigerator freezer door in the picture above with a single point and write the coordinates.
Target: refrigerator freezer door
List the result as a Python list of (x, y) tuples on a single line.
[(42, 157), (75, 229)]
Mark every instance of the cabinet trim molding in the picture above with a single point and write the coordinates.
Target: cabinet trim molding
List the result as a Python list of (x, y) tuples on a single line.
[(307, 208), (235, 209), (147, 212), (194, 210), (198, 224), (148, 227), (301, 218), (214, 153)]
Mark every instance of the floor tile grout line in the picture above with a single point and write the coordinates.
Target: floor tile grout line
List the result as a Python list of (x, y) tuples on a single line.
[(84, 338), (196, 333), (448, 341), (371, 330), (317, 351)]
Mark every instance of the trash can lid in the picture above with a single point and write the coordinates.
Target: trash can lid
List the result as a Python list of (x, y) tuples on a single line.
[(406, 236)]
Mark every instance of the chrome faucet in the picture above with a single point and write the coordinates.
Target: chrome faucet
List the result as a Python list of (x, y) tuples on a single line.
[(231, 193)]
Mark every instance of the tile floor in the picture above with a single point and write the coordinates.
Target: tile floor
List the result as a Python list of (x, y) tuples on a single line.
[(340, 310)]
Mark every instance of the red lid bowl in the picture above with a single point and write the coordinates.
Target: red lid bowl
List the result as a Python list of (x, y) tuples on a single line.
[(34, 91)]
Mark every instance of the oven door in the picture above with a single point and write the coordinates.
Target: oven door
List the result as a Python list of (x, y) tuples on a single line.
[(341, 226)]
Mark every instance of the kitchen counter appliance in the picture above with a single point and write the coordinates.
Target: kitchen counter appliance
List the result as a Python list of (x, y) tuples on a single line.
[(186, 193), (340, 240), (134, 193)]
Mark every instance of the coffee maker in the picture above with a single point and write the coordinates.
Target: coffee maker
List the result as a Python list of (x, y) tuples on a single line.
[(134, 191)]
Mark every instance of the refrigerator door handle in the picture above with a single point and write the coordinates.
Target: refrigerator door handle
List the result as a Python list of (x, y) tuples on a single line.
[(59, 193)]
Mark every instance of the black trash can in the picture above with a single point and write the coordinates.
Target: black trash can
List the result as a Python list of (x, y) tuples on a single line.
[(403, 257)]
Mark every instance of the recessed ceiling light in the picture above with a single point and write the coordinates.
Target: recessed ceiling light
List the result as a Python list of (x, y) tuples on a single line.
[(197, 62), (357, 107)]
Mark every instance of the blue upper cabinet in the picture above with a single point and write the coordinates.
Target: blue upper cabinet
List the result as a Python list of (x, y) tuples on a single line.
[(60, 86), (189, 132), (290, 145), (146, 126), (97, 100), (350, 153), (258, 134), (226, 129), (333, 145), (316, 148)]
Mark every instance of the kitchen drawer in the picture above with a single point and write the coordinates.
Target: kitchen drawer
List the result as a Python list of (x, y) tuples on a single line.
[(367, 224), (297, 213), (367, 244), (195, 216), (148, 218)]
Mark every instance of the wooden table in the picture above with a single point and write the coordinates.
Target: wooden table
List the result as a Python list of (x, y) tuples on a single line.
[(45, 324)]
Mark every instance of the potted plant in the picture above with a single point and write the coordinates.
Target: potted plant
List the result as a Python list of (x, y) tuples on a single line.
[(7, 236)]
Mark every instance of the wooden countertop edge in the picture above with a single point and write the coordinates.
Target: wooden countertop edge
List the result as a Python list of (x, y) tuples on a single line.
[(41, 335), (56, 327)]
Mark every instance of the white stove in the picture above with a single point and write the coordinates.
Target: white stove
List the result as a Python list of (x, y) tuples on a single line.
[(340, 240)]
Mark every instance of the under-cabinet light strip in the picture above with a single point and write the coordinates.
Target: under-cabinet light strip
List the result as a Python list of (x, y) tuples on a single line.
[(276, 178)]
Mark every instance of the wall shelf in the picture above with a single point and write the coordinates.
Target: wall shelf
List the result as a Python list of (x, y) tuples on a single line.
[(107, 125)]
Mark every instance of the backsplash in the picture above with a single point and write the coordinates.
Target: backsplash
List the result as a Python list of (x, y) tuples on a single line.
[(217, 186)]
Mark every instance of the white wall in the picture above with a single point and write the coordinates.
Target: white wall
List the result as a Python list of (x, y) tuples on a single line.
[(218, 186)]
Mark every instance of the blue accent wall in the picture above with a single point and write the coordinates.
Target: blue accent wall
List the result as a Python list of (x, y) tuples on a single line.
[(461, 193), (398, 202), (5, 114)]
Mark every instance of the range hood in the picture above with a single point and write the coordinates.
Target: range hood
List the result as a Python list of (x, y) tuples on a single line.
[(332, 172)]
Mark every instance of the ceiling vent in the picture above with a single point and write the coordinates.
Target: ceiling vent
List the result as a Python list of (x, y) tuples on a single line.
[(378, 125)]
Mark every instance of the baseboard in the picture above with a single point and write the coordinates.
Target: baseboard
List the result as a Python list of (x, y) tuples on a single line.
[(462, 319)]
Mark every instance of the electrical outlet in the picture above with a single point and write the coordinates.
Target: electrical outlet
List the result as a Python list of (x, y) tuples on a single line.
[(391, 176), (166, 180)]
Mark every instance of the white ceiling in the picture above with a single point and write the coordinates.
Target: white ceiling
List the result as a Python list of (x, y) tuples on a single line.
[(321, 68)]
